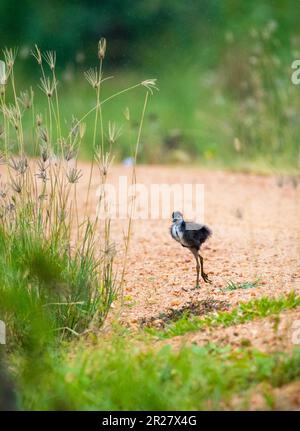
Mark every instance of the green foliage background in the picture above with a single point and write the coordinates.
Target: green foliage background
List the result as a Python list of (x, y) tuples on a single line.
[(223, 68), (174, 27)]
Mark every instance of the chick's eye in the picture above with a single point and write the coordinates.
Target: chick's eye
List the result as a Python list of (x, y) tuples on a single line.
[(172, 215)]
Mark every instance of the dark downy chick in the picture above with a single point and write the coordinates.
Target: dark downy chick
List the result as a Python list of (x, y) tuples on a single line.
[(191, 235)]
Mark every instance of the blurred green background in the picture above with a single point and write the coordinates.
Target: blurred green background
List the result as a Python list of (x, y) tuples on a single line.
[(223, 69)]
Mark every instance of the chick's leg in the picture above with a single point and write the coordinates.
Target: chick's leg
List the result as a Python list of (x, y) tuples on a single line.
[(203, 275), (195, 253)]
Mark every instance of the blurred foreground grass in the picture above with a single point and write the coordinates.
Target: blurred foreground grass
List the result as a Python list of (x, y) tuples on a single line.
[(121, 375)]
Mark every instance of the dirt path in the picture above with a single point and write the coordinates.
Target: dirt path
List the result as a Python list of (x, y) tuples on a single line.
[(256, 236)]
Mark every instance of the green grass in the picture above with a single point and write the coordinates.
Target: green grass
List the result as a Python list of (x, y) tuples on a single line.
[(244, 312), (56, 263), (44, 287), (128, 373), (123, 376), (231, 285)]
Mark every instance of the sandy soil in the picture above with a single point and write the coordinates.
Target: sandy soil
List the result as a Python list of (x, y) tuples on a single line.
[(256, 236), (287, 397)]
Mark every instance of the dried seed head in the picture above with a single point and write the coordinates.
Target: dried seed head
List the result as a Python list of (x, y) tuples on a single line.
[(44, 153), (13, 114), (43, 134), (39, 120), (50, 58), (19, 165), (69, 151), (102, 48), (93, 77), (113, 132), (69, 154), (3, 190), (42, 197), (16, 184), (36, 53), (48, 86), (10, 57), (110, 250), (74, 175), (150, 84), (10, 207), (103, 162), (42, 174), (26, 99), (42, 166)]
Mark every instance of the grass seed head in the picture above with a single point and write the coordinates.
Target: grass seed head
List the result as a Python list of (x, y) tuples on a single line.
[(13, 114), (104, 162), (42, 174), (44, 135), (102, 48), (26, 98), (3, 190), (36, 53), (19, 165), (50, 58), (44, 153), (74, 175), (114, 132), (150, 84), (10, 55), (69, 151), (16, 184), (39, 120), (93, 77), (10, 207), (48, 86)]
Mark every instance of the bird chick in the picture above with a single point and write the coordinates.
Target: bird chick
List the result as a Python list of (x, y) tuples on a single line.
[(191, 235)]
